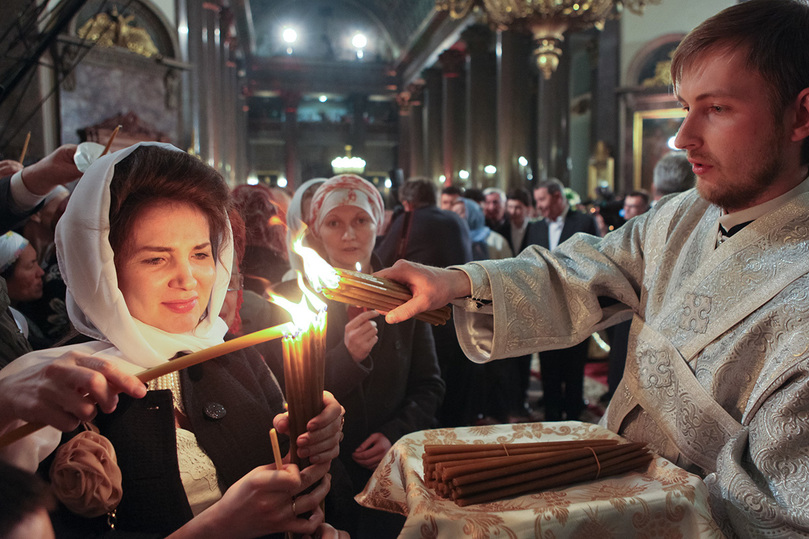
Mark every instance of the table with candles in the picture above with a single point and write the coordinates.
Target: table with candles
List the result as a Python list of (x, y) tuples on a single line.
[(657, 499)]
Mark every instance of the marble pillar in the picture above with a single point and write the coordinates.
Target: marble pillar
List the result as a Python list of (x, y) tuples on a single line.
[(481, 102), (453, 64)]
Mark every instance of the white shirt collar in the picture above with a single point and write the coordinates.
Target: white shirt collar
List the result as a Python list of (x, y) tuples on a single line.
[(729, 220)]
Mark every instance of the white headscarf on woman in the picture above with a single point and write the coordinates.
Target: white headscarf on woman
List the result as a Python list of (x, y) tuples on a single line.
[(94, 303), (296, 220), (97, 307)]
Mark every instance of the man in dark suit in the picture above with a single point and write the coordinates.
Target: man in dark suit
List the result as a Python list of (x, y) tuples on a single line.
[(426, 234), (562, 371)]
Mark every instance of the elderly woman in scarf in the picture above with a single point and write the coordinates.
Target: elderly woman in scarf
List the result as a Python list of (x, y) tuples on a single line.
[(146, 250), (386, 376), (23, 277)]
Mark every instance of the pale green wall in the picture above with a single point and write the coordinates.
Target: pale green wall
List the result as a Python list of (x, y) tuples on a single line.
[(670, 16)]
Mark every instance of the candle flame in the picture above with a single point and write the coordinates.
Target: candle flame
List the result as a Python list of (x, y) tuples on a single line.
[(305, 314), (276, 221), (319, 272)]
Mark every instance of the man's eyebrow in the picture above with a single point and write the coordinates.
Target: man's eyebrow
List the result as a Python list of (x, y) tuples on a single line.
[(706, 95)]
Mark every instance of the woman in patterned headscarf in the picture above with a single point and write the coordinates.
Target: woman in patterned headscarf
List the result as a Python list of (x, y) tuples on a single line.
[(386, 376)]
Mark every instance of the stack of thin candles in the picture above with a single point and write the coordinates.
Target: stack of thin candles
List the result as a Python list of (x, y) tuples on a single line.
[(304, 372), (481, 473), (384, 295)]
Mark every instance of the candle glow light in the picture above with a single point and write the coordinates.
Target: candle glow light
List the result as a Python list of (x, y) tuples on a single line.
[(361, 289), (304, 362)]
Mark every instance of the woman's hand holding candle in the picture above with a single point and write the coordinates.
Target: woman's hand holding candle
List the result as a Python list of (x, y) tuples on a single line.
[(261, 503), (361, 335), (321, 441)]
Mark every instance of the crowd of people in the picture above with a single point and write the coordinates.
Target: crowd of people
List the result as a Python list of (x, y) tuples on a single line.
[(149, 256)]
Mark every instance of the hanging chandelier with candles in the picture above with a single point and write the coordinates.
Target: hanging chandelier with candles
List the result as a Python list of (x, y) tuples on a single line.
[(547, 20), (347, 164)]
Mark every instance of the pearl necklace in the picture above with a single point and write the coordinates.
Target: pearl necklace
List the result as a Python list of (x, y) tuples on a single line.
[(170, 381)]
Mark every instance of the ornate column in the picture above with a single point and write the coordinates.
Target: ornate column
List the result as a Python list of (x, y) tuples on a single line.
[(605, 120), (481, 102), (553, 108), (433, 142), (404, 104), (291, 101), (210, 74), (513, 107), (453, 63), (417, 163), (358, 128)]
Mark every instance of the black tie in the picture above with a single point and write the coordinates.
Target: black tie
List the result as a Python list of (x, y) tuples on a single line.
[(733, 229)]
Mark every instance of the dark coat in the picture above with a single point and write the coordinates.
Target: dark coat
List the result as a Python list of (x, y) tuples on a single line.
[(10, 216), (575, 221), (437, 238), (143, 434)]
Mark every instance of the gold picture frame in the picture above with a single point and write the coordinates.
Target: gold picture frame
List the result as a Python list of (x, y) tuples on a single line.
[(651, 132)]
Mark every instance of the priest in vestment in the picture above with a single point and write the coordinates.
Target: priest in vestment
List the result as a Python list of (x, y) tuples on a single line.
[(715, 281)]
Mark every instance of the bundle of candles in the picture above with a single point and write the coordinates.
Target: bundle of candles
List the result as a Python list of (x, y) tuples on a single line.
[(481, 473), (304, 362), (304, 377), (384, 295)]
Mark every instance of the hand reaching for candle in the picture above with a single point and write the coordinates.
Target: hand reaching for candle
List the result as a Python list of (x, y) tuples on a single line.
[(370, 452), (321, 441), (56, 168), (432, 288), (64, 392), (9, 167), (262, 502), (361, 335)]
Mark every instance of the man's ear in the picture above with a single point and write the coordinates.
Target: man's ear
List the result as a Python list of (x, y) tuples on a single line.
[(800, 126), (407, 205)]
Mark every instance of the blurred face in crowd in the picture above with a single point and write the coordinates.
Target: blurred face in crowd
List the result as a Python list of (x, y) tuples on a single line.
[(550, 206), (168, 269), (633, 206), (460, 208), (493, 207), (25, 283), (348, 234), (517, 212), (447, 200)]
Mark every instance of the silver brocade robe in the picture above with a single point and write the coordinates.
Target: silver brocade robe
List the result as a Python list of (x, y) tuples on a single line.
[(717, 374)]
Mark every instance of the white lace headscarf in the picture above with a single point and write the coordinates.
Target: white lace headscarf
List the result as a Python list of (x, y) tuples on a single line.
[(97, 307), (296, 220)]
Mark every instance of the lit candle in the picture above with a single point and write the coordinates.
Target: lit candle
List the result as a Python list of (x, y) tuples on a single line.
[(183, 362), (304, 352)]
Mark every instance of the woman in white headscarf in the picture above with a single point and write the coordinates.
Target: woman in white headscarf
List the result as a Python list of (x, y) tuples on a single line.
[(386, 376), (296, 221), (145, 249)]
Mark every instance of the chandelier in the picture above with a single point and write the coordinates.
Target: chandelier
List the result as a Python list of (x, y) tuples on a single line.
[(347, 164), (546, 20)]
